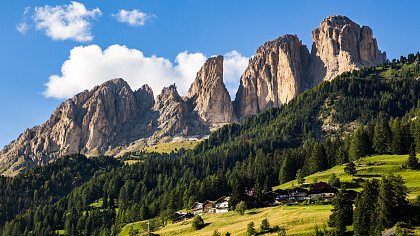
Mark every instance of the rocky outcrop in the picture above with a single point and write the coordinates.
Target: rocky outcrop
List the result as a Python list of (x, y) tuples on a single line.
[(175, 116), (209, 95), (283, 68), (112, 115), (93, 121), (275, 75), (340, 45)]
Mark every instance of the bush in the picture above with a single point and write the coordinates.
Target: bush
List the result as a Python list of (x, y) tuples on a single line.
[(241, 207), (250, 230), (197, 223), (265, 226), (334, 180)]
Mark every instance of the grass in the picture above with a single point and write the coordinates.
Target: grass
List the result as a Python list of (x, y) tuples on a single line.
[(140, 226), (297, 220), (368, 168), (131, 162), (172, 146)]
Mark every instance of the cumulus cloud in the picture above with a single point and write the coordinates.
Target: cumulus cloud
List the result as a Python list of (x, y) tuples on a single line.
[(234, 65), (134, 17), (88, 66), (64, 22)]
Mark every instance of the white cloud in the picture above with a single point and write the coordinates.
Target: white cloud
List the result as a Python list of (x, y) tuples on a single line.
[(134, 17), (89, 66), (64, 22), (234, 65)]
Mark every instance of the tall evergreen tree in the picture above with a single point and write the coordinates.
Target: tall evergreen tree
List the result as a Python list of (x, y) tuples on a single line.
[(397, 138), (286, 170), (392, 201), (412, 161), (342, 212), (381, 137), (317, 160), (364, 222), (358, 145)]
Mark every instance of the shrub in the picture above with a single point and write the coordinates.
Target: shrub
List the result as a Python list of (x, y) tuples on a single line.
[(197, 223)]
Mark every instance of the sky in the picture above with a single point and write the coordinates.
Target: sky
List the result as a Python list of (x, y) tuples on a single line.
[(51, 50)]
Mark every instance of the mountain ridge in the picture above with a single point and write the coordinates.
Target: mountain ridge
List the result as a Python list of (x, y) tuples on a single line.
[(113, 116)]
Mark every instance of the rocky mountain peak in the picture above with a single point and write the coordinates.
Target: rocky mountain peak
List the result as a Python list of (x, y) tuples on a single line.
[(112, 115), (275, 75), (208, 94), (341, 45)]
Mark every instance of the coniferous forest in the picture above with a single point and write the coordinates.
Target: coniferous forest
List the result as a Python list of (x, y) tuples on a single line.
[(374, 110)]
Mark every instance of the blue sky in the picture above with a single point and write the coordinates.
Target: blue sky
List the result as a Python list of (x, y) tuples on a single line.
[(197, 28)]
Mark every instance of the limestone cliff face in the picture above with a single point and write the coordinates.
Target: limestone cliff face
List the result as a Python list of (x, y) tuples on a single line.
[(340, 45), (112, 115), (175, 116), (275, 75), (283, 68), (91, 122), (209, 95)]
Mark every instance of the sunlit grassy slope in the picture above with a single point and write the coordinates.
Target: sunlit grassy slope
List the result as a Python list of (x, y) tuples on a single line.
[(298, 220), (371, 167), (172, 146)]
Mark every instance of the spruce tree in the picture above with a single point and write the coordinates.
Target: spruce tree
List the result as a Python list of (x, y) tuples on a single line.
[(364, 213), (397, 139), (381, 137), (342, 212), (358, 145), (392, 202), (286, 170), (317, 160), (300, 177), (412, 161)]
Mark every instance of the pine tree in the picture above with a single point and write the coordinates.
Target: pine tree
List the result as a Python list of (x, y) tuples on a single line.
[(300, 177), (392, 202), (412, 161), (317, 160), (286, 170), (381, 137), (342, 212), (397, 139), (358, 145), (334, 180), (364, 213)]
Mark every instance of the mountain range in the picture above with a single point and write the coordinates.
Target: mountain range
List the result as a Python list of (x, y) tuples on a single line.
[(112, 117)]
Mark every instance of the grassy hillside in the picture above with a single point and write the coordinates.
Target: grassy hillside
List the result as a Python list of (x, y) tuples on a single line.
[(172, 146), (370, 167), (297, 220)]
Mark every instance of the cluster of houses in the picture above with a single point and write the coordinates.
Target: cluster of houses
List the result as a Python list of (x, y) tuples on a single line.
[(210, 207), (320, 192), (218, 206)]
